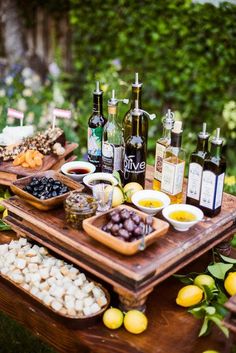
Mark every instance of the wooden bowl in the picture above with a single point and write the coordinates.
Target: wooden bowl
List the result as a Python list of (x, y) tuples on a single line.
[(93, 225), (47, 204)]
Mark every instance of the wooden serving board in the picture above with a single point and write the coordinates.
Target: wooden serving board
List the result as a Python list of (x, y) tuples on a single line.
[(48, 162)]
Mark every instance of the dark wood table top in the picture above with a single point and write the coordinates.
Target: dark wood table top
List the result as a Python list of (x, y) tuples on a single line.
[(170, 330)]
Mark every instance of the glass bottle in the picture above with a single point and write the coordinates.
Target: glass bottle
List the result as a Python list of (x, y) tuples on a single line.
[(136, 149), (136, 95), (213, 178), (173, 166), (113, 141), (196, 167), (161, 146), (95, 130)]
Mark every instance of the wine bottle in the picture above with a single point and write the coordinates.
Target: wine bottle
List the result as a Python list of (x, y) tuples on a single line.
[(95, 130), (161, 146), (196, 167), (213, 178), (173, 166), (113, 142), (136, 149), (136, 95)]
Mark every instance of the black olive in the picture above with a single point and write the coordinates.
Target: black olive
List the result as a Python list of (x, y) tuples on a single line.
[(114, 229), (129, 225), (138, 231), (124, 215), (123, 233), (104, 228), (115, 218), (120, 225), (109, 226), (54, 194), (136, 218)]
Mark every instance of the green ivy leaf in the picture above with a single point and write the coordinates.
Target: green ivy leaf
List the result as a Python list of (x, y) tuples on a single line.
[(219, 269), (205, 327), (228, 259)]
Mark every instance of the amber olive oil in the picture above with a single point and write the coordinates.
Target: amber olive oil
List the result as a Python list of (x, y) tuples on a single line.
[(150, 203), (182, 216)]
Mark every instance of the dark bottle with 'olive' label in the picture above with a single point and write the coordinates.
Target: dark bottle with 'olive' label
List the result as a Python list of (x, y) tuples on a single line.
[(196, 168), (95, 130)]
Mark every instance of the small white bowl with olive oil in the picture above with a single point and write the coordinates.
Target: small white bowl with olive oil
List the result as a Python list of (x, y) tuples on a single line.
[(150, 201), (182, 216)]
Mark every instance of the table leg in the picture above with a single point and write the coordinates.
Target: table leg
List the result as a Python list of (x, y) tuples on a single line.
[(130, 301)]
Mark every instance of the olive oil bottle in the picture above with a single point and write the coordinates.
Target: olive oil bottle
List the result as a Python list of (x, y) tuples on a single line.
[(173, 166), (136, 149), (213, 178), (161, 146), (95, 130), (113, 142), (127, 121), (196, 168)]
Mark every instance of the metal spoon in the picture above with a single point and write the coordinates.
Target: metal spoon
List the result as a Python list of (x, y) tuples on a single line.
[(142, 244)]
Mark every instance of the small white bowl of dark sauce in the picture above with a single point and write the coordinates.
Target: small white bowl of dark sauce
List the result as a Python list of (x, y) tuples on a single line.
[(77, 170)]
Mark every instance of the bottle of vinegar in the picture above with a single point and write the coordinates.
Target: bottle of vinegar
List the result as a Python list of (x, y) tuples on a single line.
[(113, 142), (161, 146), (173, 166), (95, 130), (213, 178), (136, 149), (196, 167)]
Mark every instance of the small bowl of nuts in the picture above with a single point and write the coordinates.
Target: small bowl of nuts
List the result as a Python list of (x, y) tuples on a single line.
[(79, 206)]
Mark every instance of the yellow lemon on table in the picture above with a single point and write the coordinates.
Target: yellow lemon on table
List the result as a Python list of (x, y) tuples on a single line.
[(130, 189), (113, 318), (230, 283), (204, 280), (118, 196), (135, 321), (189, 295)]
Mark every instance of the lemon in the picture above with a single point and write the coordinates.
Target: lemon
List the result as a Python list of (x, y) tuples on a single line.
[(113, 318), (118, 196), (5, 213), (204, 280), (210, 351), (2, 208), (230, 283), (130, 189), (189, 295), (135, 321)]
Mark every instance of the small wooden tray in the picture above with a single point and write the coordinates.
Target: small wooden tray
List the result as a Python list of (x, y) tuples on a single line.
[(48, 204), (71, 322), (93, 226)]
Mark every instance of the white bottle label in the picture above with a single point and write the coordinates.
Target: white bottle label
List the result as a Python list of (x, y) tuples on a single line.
[(212, 190), (112, 157), (172, 177), (194, 181), (160, 152), (219, 190)]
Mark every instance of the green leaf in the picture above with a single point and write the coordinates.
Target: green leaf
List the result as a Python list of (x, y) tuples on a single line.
[(205, 327), (220, 325), (198, 312), (4, 226), (228, 259), (219, 269), (210, 310), (184, 279)]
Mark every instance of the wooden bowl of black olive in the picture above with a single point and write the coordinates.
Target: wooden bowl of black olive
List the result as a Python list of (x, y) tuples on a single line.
[(123, 227), (45, 190)]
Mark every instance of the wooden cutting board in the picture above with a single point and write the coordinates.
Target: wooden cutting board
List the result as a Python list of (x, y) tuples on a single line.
[(48, 162)]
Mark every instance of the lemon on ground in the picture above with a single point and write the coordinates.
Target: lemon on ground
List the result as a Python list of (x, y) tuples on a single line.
[(189, 295), (5, 213), (210, 351), (204, 280), (2, 208), (113, 318), (135, 321), (230, 283), (118, 196), (130, 189)]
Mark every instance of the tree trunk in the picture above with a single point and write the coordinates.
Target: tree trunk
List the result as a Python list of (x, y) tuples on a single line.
[(13, 32)]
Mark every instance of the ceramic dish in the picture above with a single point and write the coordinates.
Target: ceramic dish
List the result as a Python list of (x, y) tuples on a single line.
[(96, 178), (47, 204), (77, 170), (93, 225), (150, 195), (180, 225)]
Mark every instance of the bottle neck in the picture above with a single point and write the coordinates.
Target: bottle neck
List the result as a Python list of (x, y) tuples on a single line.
[(136, 125), (202, 144), (97, 103), (136, 95), (166, 133), (176, 139), (216, 150), (112, 113)]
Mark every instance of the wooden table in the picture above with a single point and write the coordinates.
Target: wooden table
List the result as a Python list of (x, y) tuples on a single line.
[(132, 277), (170, 330)]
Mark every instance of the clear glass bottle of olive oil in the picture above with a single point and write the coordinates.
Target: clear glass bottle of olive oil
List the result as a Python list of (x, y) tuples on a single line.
[(173, 166), (161, 146)]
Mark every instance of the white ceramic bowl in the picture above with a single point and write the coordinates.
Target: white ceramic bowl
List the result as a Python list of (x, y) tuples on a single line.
[(178, 225), (65, 168), (150, 194), (100, 177)]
